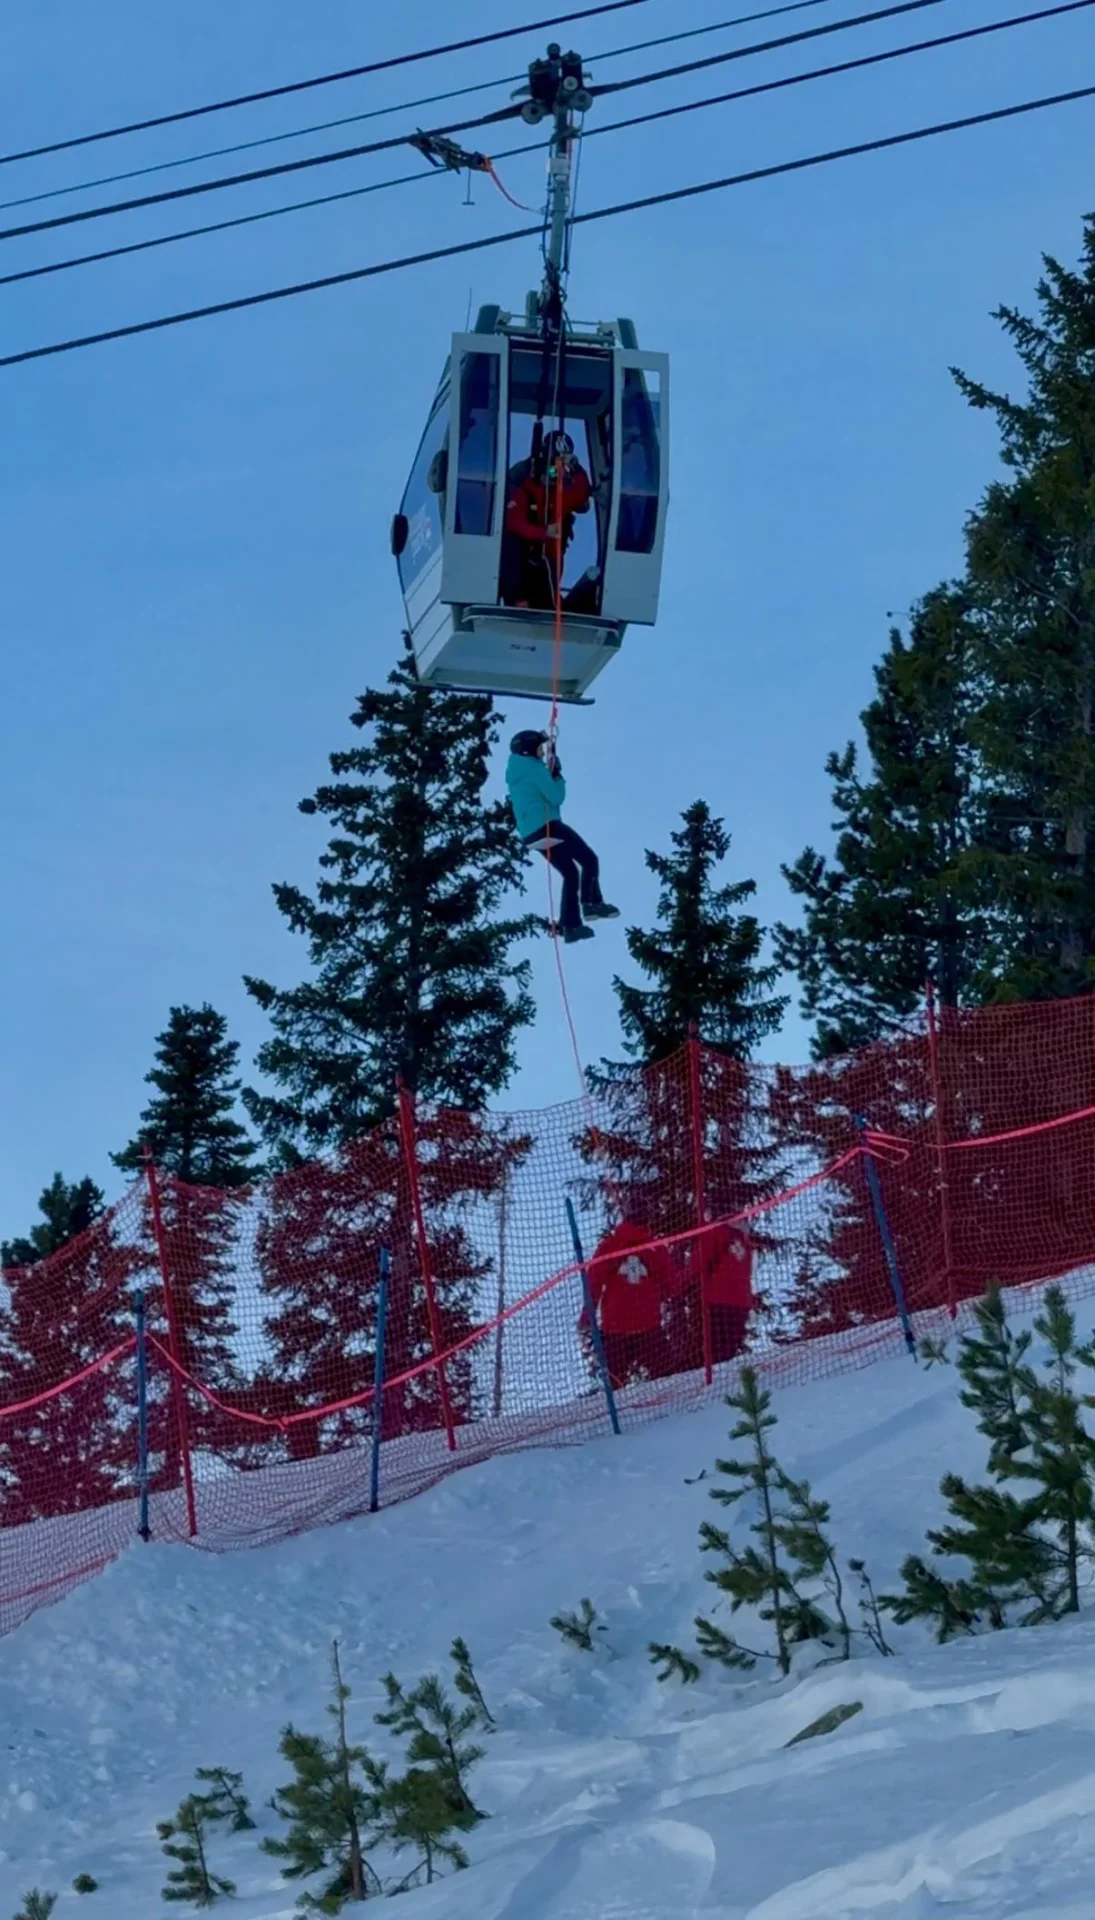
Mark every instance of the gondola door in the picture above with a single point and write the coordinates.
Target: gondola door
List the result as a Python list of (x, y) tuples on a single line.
[(476, 480), (640, 486)]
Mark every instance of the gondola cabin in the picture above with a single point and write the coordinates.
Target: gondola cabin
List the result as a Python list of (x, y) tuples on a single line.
[(475, 624)]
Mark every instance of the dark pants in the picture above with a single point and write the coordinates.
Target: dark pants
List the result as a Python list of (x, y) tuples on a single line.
[(576, 864), (728, 1325)]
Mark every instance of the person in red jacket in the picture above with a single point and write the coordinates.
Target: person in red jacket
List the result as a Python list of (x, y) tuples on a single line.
[(540, 507), (725, 1259), (629, 1279)]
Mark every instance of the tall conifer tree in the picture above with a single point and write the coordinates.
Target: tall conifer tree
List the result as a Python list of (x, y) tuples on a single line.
[(892, 907), (203, 1157), (1031, 574), (413, 976)]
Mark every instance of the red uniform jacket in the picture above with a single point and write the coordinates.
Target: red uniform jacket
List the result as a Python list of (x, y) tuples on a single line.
[(531, 509), (726, 1267), (627, 1285)]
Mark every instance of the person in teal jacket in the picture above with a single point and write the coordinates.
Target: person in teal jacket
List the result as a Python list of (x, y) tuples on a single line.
[(534, 781)]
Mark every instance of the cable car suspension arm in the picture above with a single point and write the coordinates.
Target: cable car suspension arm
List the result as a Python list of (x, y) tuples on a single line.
[(449, 157)]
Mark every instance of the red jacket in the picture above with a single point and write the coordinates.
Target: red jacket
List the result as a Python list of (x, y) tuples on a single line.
[(628, 1286), (531, 508), (725, 1256)]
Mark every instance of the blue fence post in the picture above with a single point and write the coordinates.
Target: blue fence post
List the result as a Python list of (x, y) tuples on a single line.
[(874, 1187), (378, 1375), (140, 1307), (594, 1329)]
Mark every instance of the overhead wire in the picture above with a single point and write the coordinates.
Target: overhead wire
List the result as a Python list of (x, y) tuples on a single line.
[(403, 106), (670, 196), (892, 11), (758, 88), (321, 80)]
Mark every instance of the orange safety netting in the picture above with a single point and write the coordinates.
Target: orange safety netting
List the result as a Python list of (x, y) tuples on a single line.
[(262, 1304)]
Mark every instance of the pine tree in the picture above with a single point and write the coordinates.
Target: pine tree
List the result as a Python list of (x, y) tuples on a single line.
[(68, 1209), (926, 1595), (412, 975), (578, 1629), (670, 1660), (704, 974), (190, 1126), (1031, 578), (412, 968), (890, 909), (703, 957), (992, 1362), (330, 1806), (37, 1905), (466, 1683), (225, 1798), (204, 1159), (436, 1731), (67, 1305), (1024, 1554), (414, 1812), (184, 1840), (800, 1531), (763, 1576)]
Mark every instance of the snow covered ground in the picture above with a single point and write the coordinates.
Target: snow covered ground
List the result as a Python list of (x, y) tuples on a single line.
[(965, 1786)]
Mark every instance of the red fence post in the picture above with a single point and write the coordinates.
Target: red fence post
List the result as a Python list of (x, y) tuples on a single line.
[(941, 1149), (408, 1133), (178, 1389), (695, 1064)]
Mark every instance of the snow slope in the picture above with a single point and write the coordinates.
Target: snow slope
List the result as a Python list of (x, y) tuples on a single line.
[(966, 1785)]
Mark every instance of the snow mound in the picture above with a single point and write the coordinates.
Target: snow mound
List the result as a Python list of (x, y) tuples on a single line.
[(965, 1784)]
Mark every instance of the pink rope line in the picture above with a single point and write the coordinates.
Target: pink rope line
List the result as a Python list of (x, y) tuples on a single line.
[(281, 1422), (1022, 1133), (53, 1393)]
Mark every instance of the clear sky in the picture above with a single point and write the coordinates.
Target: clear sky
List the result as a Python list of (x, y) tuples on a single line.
[(195, 580)]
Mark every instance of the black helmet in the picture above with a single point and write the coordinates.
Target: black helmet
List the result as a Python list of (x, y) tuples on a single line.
[(561, 446), (528, 742)]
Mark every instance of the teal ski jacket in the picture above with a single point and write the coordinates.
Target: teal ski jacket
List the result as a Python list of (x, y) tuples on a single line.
[(535, 795)]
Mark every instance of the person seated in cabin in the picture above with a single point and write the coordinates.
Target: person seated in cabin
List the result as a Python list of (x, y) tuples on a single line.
[(536, 788), (541, 504)]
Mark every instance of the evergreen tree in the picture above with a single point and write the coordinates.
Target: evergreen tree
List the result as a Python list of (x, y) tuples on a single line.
[(330, 1806), (184, 1840), (1022, 1553), (37, 1905), (704, 974), (891, 908), (1031, 578), (204, 1160), (413, 1812), (995, 1373), (68, 1209), (466, 1683), (190, 1126), (702, 957), (436, 1732), (224, 1798), (578, 1629), (413, 975), (790, 1548), (412, 969), (71, 1451)]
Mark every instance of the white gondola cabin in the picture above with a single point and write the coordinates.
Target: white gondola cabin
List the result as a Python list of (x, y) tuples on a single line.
[(499, 394)]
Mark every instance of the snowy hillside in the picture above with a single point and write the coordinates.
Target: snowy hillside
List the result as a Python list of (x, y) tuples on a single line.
[(966, 1784)]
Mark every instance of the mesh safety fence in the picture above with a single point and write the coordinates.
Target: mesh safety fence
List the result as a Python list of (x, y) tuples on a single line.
[(723, 1210)]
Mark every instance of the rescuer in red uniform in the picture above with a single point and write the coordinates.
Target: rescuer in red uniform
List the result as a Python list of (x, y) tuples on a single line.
[(629, 1279), (724, 1255), (539, 523)]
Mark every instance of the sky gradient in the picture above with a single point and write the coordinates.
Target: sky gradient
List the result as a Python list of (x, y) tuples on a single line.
[(196, 581)]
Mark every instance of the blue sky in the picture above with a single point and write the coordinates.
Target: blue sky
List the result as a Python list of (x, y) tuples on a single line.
[(196, 581)]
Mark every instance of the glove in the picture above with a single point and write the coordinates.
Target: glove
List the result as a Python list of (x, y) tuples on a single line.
[(555, 767)]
